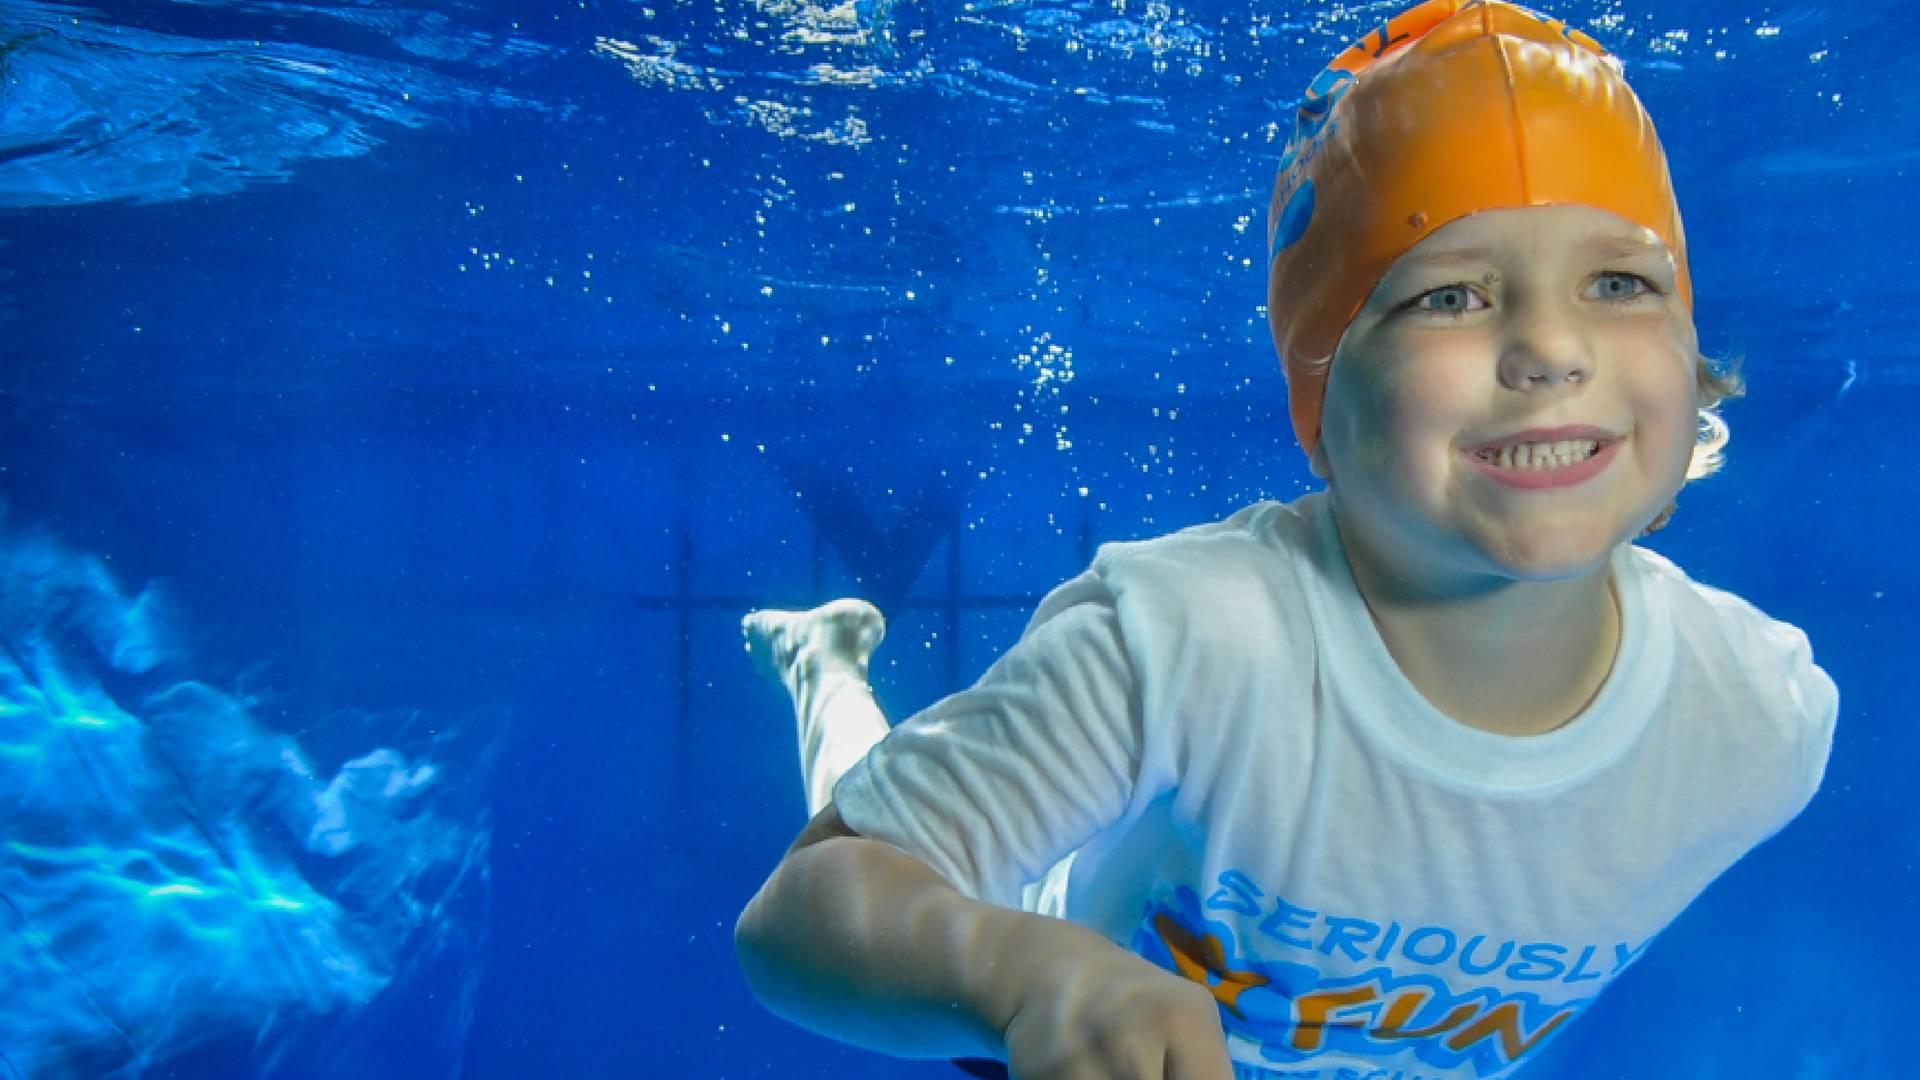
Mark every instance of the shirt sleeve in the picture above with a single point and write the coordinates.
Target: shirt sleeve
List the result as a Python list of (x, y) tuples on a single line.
[(993, 785), (1818, 700)]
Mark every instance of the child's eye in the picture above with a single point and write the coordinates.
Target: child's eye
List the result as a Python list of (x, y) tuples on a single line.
[(1621, 285), (1453, 300)]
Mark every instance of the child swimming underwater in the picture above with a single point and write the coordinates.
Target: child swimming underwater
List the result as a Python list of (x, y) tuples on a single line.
[(1390, 780)]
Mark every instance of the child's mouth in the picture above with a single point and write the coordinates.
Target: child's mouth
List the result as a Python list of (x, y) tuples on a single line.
[(1546, 465), (1540, 456)]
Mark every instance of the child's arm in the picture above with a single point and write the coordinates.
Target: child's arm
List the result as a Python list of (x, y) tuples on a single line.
[(857, 940)]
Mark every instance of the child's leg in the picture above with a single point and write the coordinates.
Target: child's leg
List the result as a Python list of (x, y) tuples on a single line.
[(820, 656)]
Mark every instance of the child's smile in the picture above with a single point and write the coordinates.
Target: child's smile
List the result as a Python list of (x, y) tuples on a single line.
[(1541, 458)]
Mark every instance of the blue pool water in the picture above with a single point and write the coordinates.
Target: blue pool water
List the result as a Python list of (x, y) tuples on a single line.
[(399, 404)]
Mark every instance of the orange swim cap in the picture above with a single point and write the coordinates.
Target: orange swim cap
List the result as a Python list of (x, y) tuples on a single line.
[(1452, 107)]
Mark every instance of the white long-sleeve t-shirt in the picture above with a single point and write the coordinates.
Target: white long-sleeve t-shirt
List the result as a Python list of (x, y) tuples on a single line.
[(1201, 748)]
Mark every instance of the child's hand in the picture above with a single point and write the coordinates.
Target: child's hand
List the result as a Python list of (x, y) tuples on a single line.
[(1114, 1016)]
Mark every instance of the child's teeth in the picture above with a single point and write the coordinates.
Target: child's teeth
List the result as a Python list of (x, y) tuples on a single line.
[(1543, 455)]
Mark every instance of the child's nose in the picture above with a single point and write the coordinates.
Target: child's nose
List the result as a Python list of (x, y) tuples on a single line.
[(1544, 347)]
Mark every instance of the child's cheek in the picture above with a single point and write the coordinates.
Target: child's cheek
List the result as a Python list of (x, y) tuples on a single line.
[(1667, 398), (1394, 417)]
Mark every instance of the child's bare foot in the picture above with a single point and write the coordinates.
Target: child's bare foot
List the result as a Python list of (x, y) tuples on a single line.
[(841, 634)]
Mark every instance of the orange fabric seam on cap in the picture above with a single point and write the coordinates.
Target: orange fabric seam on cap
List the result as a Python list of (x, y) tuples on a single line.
[(1513, 107)]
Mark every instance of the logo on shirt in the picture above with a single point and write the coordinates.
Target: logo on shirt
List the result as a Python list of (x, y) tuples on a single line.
[(1399, 988)]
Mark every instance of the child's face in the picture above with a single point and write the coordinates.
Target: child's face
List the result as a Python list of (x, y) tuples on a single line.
[(1503, 322)]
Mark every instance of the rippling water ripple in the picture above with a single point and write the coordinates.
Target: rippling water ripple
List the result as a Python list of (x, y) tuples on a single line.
[(174, 873)]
